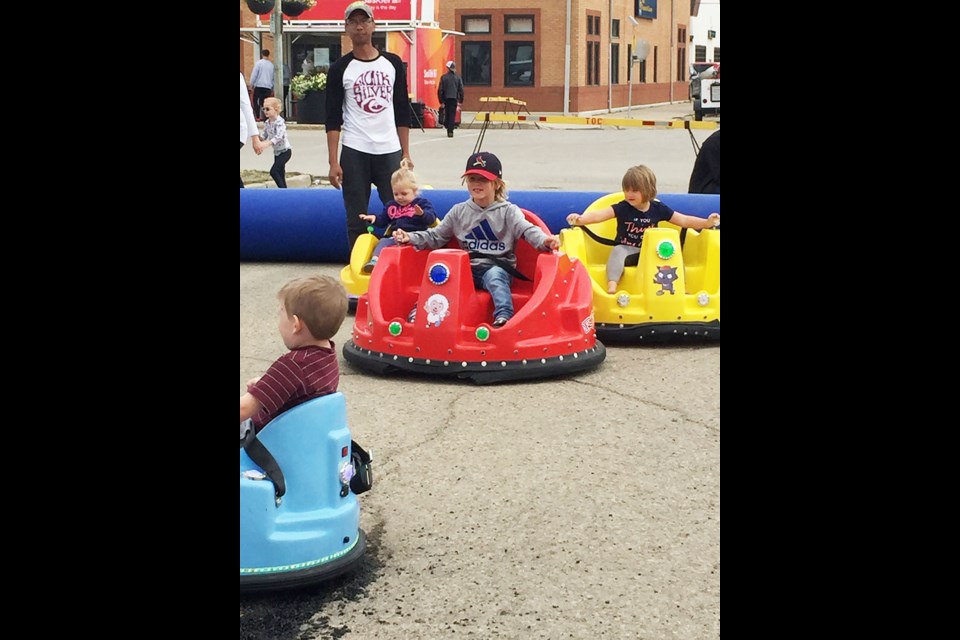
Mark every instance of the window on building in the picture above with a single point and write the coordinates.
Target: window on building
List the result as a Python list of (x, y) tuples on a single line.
[(629, 63), (593, 63), (615, 28), (716, 54), (518, 24), (615, 63), (476, 24), (656, 62), (589, 63), (643, 71), (476, 63), (518, 60), (596, 63), (681, 53), (594, 25), (699, 53), (593, 50)]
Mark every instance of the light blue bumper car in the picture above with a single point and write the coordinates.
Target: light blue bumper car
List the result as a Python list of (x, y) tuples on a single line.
[(299, 513)]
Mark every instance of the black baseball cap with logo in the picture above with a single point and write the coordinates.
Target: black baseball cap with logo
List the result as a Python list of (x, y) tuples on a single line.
[(484, 164)]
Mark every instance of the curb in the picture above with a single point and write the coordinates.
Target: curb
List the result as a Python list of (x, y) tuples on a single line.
[(299, 182)]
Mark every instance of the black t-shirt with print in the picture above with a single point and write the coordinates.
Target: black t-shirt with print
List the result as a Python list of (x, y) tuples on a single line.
[(631, 222)]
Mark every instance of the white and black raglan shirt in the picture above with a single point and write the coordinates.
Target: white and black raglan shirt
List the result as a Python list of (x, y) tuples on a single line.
[(366, 101)]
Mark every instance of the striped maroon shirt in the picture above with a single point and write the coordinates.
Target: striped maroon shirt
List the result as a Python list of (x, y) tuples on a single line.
[(298, 376)]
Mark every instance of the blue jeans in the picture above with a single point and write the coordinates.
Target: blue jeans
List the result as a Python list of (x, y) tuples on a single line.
[(497, 282), (383, 244)]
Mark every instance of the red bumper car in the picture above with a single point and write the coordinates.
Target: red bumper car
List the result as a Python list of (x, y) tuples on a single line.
[(552, 332)]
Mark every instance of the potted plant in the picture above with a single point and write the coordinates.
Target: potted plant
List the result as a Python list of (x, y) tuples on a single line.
[(310, 91), (296, 7), (260, 7)]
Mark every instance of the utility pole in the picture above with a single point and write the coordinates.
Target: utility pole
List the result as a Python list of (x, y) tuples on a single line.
[(566, 66), (673, 53), (634, 56), (276, 27), (641, 49)]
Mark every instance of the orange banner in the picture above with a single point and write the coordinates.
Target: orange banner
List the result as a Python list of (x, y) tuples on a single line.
[(433, 51)]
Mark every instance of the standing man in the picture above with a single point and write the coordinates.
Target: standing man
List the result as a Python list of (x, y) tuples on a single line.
[(368, 110), (262, 82), (450, 93)]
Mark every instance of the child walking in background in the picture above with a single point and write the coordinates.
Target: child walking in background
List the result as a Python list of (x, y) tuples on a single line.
[(637, 212), (407, 211), (488, 228), (311, 312), (275, 133)]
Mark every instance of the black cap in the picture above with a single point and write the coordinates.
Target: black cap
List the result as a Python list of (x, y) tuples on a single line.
[(484, 164)]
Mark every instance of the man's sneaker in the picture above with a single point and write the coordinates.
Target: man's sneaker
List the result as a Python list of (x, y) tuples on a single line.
[(368, 268), (499, 322), (412, 316)]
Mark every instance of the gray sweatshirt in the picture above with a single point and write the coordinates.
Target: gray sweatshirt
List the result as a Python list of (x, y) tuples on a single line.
[(493, 232)]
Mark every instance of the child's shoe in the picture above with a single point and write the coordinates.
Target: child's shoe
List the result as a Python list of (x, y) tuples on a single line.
[(412, 316), (368, 268), (499, 322)]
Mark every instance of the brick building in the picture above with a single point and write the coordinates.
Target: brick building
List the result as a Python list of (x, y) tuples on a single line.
[(519, 48)]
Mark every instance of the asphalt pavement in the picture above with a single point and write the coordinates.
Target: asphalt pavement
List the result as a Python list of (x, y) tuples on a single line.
[(555, 156), (578, 507)]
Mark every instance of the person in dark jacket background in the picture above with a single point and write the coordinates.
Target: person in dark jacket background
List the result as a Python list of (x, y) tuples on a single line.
[(705, 177), (450, 93)]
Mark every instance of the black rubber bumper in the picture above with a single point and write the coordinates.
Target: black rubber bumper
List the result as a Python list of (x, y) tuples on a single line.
[(478, 372), (659, 332)]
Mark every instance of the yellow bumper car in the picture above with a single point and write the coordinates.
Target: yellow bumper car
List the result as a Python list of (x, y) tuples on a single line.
[(672, 292)]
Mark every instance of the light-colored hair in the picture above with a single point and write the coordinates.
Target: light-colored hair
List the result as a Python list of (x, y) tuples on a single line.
[(319, 301), (499, 190), (404, 177), (275, 103), (640, 178)]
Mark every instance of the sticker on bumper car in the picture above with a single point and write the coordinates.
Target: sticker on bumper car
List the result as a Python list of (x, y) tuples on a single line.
[(437, 308)]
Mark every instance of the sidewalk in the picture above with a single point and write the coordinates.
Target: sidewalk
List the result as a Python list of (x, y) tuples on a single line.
[(664, 111)]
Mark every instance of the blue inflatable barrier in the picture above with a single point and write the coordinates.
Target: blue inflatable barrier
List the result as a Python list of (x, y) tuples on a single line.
[(309, 225)]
